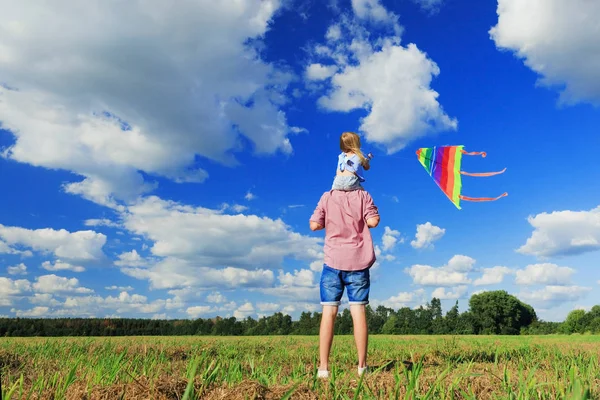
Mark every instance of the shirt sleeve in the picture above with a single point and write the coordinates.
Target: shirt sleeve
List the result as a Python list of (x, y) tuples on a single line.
[(370, 209), (318, 215)]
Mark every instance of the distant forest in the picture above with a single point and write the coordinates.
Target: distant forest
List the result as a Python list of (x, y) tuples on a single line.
[(489, 313)]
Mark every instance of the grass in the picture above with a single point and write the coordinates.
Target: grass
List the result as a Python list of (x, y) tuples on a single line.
[(403, 367)]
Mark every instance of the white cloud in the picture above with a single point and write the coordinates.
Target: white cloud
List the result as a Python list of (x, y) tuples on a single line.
[(493, 276), (209, 238), (34, 312), (6, 249), (431, 6), (249, 196), (239, 208), (399, 301), (373, 11), (584, 308), (61, 266), (402, 299), (293, 293), (124, 303), (80, 245), (552, 296), (131, 259), (172, 97), (216, 297), (317, 265), (299, 286), (460, 263), (20, 269), (44, 299), (377, 74), (12, 288), (544, 274), (452, 274), (245, 310), (292, 308), (172, 273), (302, 278), (379, 255), (119, 288), (426, 235), (456, 293), (390, 238), (563, 233), (268, 307), (232, 305), (318, 72), (297, 129), (186, 293), (58, 284), (561, 46), (430, 276), (102, 222)]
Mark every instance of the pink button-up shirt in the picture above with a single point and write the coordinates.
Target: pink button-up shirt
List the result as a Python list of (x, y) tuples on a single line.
[(348, 241)]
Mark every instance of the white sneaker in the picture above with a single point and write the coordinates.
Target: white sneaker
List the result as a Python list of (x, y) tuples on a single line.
[(362, 370), (323, 374)]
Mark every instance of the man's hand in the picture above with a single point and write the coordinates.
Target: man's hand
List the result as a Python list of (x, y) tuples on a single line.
[(373, 222), (315, 226)]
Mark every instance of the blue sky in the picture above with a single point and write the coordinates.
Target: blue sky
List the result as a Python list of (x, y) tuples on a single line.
[(163, 163)]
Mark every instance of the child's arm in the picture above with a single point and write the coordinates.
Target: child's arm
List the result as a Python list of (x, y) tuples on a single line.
[(367, 163)]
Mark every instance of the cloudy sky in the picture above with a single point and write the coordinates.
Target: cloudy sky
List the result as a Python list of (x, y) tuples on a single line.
[(162, 162)]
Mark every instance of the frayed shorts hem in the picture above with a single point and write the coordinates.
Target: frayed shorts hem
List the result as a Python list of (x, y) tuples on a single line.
[(331, 303)]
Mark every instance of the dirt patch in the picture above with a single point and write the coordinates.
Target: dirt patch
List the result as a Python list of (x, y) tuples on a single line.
[(253, 390), (161, 389), (10, 361)]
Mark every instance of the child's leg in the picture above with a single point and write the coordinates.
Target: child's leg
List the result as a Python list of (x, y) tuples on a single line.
[(361, 333), (326, 335), (346, 183)]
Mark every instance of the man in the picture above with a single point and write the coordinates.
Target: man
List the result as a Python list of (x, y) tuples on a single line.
[(346, 217)]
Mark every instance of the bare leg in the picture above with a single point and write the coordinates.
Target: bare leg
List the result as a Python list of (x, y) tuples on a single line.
[(361, 335), (326, 335)]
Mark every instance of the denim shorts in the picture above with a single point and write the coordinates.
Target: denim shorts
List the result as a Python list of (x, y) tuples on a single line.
[(333, 282)]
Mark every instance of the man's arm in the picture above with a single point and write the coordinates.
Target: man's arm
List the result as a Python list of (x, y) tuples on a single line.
[(371, 213), (373, 222), (317, 219), (314, 226)]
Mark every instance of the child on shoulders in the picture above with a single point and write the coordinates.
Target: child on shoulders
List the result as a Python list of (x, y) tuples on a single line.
[(351, 164)]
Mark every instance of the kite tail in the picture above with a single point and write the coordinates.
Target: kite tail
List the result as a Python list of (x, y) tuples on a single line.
[(482, 198), (482, 173), (474, 153)]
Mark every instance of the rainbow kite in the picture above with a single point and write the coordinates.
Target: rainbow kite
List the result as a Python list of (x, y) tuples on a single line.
[(443, 165)]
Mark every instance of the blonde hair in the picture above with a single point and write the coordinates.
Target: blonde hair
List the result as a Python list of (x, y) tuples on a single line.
[(350, 142)]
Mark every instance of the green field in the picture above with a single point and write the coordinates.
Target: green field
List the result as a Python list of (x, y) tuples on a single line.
[(405, 367)]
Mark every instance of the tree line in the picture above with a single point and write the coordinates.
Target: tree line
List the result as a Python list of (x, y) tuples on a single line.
[(489, 313)]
